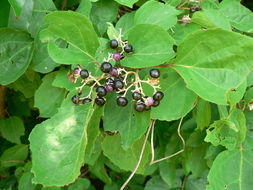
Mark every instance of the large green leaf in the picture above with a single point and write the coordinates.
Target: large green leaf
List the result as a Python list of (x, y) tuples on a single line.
[(153, 12), (48, 98), (4, 13), (15, 54), (177, 101), (148, 50), (12, 129), (213, 62), (240, 17), (232, 170), (125, 159), (203, 114), (128, 3), (58, 145), (17, 5), (77, 31), (132, 127)]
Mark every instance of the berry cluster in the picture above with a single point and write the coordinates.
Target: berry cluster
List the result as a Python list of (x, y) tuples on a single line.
[(116, 78)]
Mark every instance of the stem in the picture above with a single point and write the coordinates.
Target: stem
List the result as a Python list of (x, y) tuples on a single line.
[(170, 156), (140, 157), (2, 104)]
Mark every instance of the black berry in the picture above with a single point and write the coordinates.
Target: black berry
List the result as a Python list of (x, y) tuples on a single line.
[(114, 44), (84, 74), (156, 103), (158, 95), (195, 8), (106, 67), (114, 72), (75, 99), (147, 108), (118, 84), (122, 101), (140, 107), (154, 73), (109, 80), (101, 91), (136, 95), (86, 100), (128, 48), (109, 87), (100, 101)]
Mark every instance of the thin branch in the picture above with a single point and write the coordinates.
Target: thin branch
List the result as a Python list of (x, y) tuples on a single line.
[(170, 156), (140, 157), (2, 104)]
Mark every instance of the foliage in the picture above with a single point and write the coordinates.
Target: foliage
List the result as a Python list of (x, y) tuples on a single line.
[(203, 50)]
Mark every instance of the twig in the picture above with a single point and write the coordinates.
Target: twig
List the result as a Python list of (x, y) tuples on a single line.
[(2, 104), (170, 156), (140, 157)]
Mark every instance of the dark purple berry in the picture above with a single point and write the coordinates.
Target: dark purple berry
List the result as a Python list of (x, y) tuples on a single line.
[(100, 101), (116, 56), (136, 95), (114, 44), (114, 72), (76, 71), (84, 74), (154, 73), (118, 84), (106, 67), (158, 95), (195, 8), (109, 80), (109, 87), (128, 48), (86, 100), (122, 101), (156, 103), (101, 91), (75, 99), (140, 107)]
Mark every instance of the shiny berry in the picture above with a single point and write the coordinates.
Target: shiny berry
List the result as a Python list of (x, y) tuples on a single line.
[(158, 95), (140, 107), (76, 71), (128, 48), (86, 100), (136, 95), (100, 101), (154, 73), (101, 91), (109, 87), (109, 80), (122, 101), (84, 74), (118, 84), (147, 108), (116, 56), (75, 99), (106, 67), (156, 103), (114, 44), (149, 101), (114, 72)]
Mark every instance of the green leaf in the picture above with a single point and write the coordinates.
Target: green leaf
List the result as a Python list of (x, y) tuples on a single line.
[(153, 12), (16, 52), (203, 114), (156, 183), (240, 17), (48, 98), (212, 62), (211, 18), (193, 183), (177, 101), (125, 159), (25, 182), (128, 3), (229, 132), (12, 129), (14, 156), (84, 7), (17, 5), (148, 51), (232, 170), (4, 13), (58, 145), (169, 174), (235, 95), (102, 12), (125, 23), (64, 25), (80, 184), (132, 127)]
